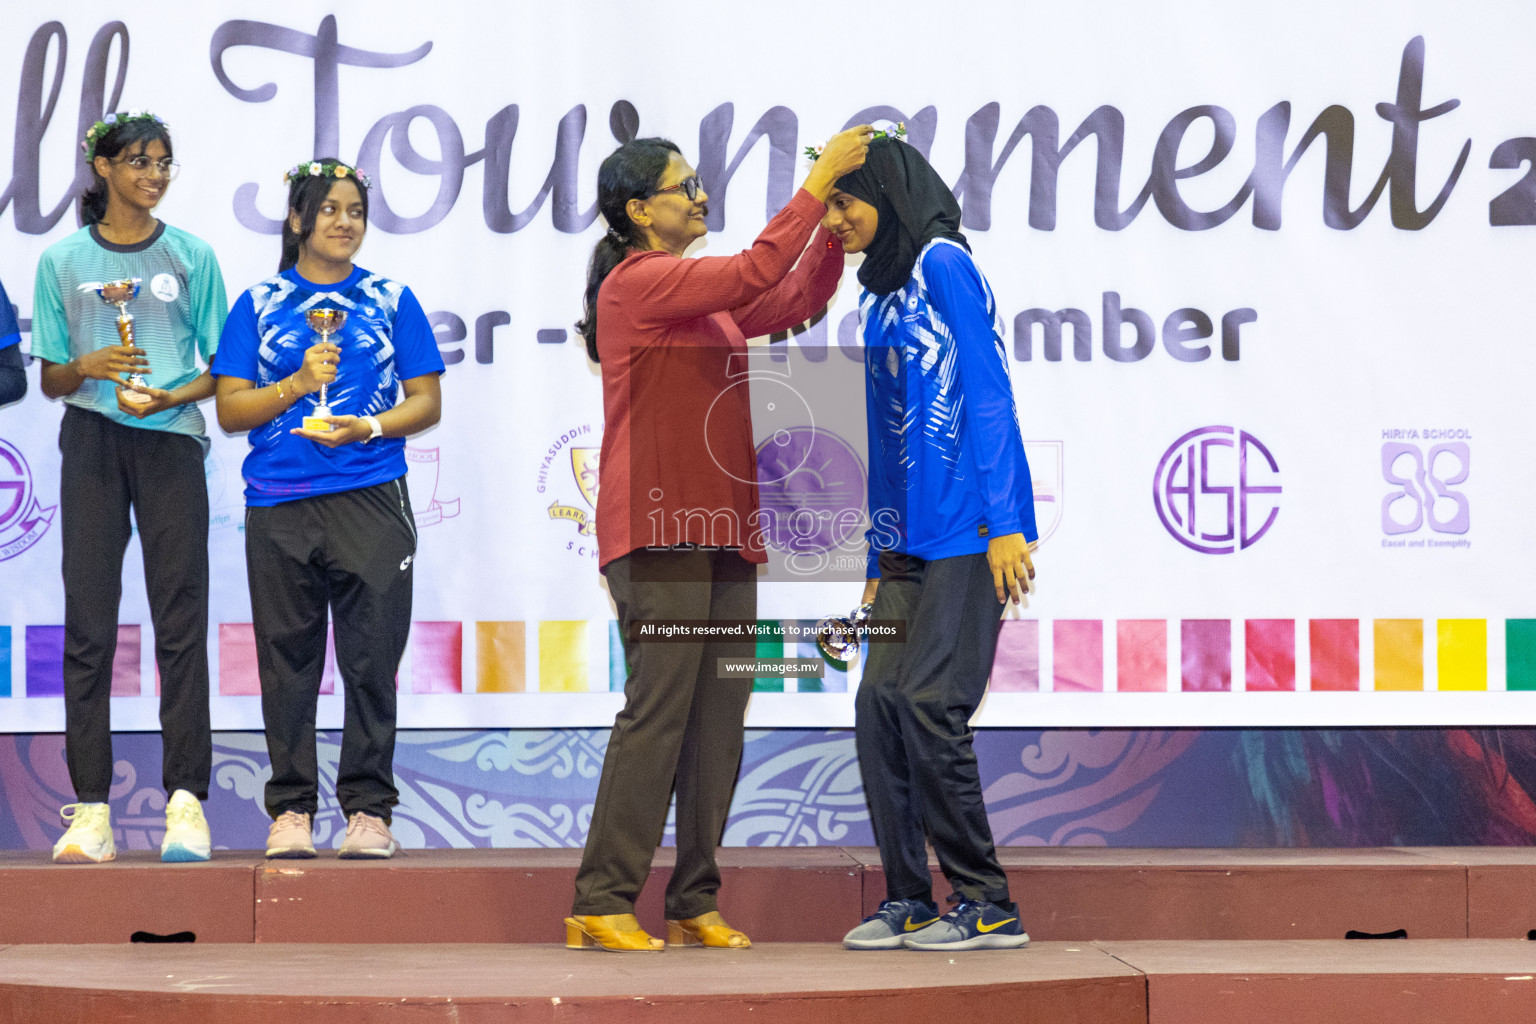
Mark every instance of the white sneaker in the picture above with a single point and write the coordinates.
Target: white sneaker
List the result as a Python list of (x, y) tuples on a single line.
[(291, 835), (367, 837), (186, 830), (89, 837)]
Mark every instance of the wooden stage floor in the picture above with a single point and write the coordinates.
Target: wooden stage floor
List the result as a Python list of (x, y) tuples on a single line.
[(1133, 936)]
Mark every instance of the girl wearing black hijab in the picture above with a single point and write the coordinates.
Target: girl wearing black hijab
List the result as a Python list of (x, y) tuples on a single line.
[(953, 508)]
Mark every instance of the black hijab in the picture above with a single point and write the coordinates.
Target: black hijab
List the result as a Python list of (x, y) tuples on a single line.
[(915, 207)]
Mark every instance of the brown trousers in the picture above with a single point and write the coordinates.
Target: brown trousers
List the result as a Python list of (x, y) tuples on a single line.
[(681, 727)]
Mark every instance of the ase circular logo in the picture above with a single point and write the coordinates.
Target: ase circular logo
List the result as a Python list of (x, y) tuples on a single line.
[(1217, 490)]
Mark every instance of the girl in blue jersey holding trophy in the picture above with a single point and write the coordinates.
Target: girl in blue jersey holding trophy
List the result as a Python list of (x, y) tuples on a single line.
[(953, 508), (313, 362)]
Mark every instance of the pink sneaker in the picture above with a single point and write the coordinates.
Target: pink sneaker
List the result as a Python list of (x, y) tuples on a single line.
[(289, 836), (367, 836)]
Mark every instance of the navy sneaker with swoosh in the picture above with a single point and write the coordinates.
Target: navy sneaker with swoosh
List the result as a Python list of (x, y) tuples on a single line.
[(973, 924), (893, 922)]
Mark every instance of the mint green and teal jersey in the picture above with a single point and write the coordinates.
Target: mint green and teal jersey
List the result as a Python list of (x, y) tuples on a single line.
[(177, 317)]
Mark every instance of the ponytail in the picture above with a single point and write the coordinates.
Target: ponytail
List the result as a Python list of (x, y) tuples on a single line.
[(607, 254), (93, 204), (631, 172), (289, 257)]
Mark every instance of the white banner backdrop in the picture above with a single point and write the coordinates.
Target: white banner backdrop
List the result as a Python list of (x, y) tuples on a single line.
[(1261, 271)]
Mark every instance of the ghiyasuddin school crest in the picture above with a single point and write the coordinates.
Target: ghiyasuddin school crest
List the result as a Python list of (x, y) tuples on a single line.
[(584, 468), (23, 521)]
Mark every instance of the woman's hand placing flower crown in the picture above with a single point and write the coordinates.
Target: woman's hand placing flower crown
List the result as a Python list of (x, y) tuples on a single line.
[(843, 154)]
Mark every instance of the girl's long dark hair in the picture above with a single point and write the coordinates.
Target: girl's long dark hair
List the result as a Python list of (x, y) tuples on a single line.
[(93, 204), (631, 172), (306, 194)]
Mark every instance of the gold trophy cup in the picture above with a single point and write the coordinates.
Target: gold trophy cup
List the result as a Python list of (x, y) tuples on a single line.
[(324, 322), (119, 294), (838, 635)]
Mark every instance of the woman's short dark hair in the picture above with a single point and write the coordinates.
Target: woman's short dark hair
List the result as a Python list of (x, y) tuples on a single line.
[(306, 194), (631, 172), (139, 133)]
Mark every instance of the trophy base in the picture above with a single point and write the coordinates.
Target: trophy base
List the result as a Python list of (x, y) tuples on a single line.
[(316, 420), (134, 397)]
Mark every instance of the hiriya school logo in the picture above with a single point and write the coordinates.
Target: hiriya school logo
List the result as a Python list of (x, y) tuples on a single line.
[(578, 448), (1217, 490), (22, 520), (1424, 471), (165, 287), (423, 466)]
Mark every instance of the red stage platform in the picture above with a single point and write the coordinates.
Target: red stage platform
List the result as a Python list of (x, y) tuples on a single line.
[(1144, 936), (776, 895), (1436, 981), (791, 983)]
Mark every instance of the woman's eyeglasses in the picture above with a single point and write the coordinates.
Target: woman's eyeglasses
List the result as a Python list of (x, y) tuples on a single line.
[(142, 165), (691, 186)]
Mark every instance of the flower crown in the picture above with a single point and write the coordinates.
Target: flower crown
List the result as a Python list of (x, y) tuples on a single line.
[(333, 169), (898, 132), (98, 131)]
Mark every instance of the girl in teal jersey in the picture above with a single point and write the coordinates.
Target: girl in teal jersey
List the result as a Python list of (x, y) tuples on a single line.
[(135, 445)]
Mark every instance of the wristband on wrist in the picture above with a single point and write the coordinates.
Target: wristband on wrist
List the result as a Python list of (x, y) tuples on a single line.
[(375, 428)]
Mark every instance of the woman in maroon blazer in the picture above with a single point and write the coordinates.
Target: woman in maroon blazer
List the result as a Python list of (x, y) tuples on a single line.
[(677, 530)]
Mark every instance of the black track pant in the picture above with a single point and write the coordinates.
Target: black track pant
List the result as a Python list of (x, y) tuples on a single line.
[(108, 468), (912, 716), (352, 552), (679, 723)]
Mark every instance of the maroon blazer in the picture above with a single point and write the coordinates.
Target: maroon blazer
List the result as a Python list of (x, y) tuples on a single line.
[(677, 464)]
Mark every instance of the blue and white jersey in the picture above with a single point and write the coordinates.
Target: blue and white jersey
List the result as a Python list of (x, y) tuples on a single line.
[(947, 468), (386, 339), (10, 331)]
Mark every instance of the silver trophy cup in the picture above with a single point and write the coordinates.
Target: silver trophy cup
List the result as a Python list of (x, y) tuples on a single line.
[(838, 635), (119, 294), (324, 322)]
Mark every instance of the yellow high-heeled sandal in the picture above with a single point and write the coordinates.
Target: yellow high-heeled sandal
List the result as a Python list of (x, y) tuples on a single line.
[(617, 933), (707, 930)]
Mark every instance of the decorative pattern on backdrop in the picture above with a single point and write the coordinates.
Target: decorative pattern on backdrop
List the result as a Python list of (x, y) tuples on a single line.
[(534, 788)]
